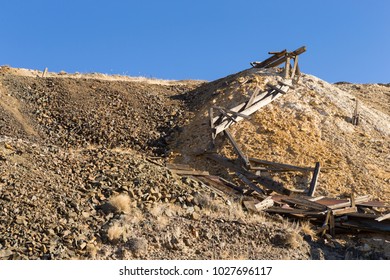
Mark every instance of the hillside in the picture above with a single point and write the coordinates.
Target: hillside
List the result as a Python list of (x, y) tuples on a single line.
[(83, 166)]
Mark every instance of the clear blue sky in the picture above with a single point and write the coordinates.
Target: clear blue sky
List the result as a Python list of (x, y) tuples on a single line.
[(346, 40)]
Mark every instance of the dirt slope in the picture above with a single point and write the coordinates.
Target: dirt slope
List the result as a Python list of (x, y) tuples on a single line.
[(82, 164)]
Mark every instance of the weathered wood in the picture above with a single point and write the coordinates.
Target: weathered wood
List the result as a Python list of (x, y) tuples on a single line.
[(238, 151), (258, 103), (239, 108), (356, 115), (345, 210), (250, 184), (44, 72), (315, 198), (252, 98), (313, 183), (304, 202), (214, 180), (287, 68), (282, 166), (266, 183), (383, 217), (276, 88), (331, 224), (294, 67), (209, 186), (269, 60), (217, 188), (342, 203), (189, 172), (298, 51), (231, 185), (231, 112), (293, 211), (178, 166), (265, 203)]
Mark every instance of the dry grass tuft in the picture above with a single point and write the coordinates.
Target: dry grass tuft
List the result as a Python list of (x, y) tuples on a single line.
[(307, 229), (121, 202), (115, 232), (137, 245), (293, 239)]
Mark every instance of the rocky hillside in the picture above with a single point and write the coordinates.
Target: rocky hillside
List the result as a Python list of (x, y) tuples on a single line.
[(83, 176)]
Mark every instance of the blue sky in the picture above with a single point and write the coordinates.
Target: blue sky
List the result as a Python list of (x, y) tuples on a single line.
[(346, 40)]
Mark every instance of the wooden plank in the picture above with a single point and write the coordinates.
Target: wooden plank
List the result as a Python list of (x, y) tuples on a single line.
[(249, 111), (269, 60), (266, 183), (304, 213), (265, 204), (343, 211), (315, 198), (236, 148), (231, 185), (252, 98), (189, 172), (341, 203), (303, 202), (313, 183), (282, 165), (231, 112), (240, 107), (250, 184), (286, 84), (383, 217), (178, 166), (275, 88), (209, 184)]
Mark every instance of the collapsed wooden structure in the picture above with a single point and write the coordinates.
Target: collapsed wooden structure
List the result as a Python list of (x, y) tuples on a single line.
[(260, 193)]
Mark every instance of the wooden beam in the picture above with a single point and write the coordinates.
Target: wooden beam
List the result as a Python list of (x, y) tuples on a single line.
[(276, 88), (298, 51), (224, 110), (269, 60), (345, 210), (249, 111), (383, 217), (189, 172), (281, 165), (252, 98), (294, 67), (236, 148), (313, 183), (304, 202), (331, 224), (178, 166), (250, 184)]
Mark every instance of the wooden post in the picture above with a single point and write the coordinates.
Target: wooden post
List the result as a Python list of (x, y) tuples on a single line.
[(313, 183), (236, 148), (211, 116), (295, 67), (44, 72), (287, 68), (356, 115)]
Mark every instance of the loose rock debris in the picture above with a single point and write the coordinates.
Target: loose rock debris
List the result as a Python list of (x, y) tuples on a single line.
[(80, 179)]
